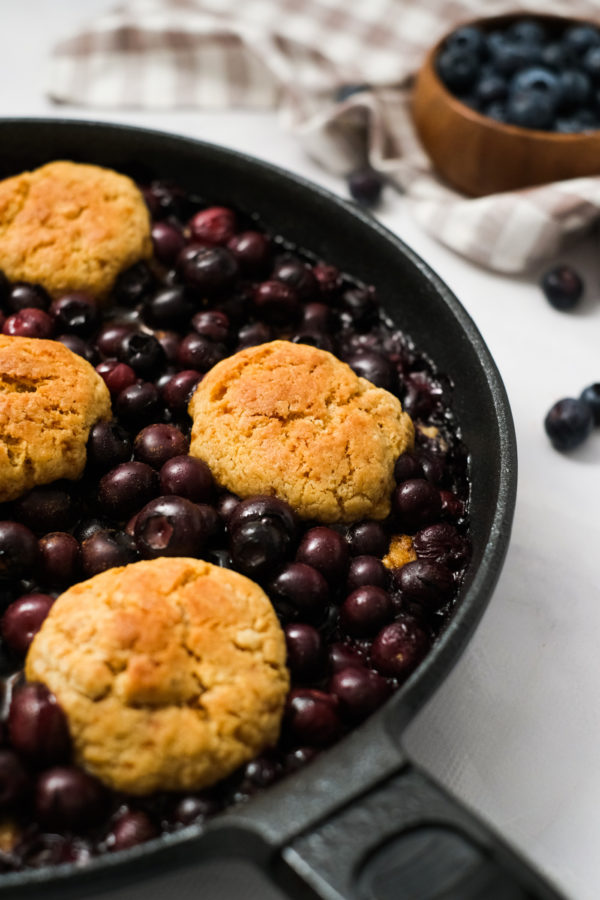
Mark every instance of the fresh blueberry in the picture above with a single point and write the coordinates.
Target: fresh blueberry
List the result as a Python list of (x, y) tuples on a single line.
[(562, 286), (526, 31), (556, 56), (530, 109), (579, 38), (490, 89), (537, 79), (575, 88), (457, 68), (568, 423), (468, 39), (365, 186), (509, 57), (591, 396), (496, 111)]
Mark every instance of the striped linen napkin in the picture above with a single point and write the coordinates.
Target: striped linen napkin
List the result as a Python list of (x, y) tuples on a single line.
[(294, 55)]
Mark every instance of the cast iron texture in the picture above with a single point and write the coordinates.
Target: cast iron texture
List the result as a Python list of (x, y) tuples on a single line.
[(429, 313)]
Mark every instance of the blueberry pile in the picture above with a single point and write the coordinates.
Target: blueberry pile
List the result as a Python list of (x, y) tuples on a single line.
[(526, 74), (355, 628)]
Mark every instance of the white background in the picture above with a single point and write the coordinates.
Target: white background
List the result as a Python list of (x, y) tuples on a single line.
[(515, 729)]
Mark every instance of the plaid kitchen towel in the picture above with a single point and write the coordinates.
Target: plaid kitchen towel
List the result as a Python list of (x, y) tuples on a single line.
[(295, 55)]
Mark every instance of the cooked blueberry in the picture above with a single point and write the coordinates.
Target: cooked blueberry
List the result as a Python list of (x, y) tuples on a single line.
[(18, 550), (142, 352), (591, 396), (365, 186), (46, 508), (187, 477), (79, 346), (562, 286), (38, 726), (305, 652), (130, 829), (362, 305), (365, 611), (215, 225), (253, 334), (171, 307), (76, 313), (14, 781), (325, 550), (312, 717), (375, 367), (155, 444), (211, 324), (360, 692), (329, 278), (23, 619), (110, 337), (167, 242), (452, 505), (265, 506), (199, 352), (207, 270), (368, 538), (426, 582), (105, 550), (108, 445), (170, 526), (257, 546), (568, 423), (117, 375), (138, 404), (399, 648), (366, 570), (296, 274), (178, 389), (416, 503), (31, 323), (192, 809), (277, 303), (59, 558), (343, 656), (442, 543), (69, 798), (299, 591), (134, 285), (457, 68), (23, 295), (127, 488), (252, 250)]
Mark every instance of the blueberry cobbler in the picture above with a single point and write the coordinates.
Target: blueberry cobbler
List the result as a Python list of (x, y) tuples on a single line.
[(233, 510)]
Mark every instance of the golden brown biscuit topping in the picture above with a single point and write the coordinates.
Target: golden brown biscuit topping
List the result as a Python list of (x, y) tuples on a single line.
[(49, 400), (292, 420), (171, 673), (70, 227)]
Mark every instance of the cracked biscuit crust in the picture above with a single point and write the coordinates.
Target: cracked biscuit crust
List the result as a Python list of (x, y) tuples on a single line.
[(171, 673), (70, 227), (292, 420), (49, 400)]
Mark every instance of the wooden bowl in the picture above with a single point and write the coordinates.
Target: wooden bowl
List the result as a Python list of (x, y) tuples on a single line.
[(478, 155)]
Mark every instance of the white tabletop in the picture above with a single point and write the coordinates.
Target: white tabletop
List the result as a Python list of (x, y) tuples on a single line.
[(515, 730)]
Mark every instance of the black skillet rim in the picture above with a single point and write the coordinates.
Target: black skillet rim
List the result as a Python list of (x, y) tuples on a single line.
[(446, 651)]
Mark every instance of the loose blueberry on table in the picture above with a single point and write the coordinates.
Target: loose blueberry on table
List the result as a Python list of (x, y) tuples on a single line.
[(357, 620), (526, 74)]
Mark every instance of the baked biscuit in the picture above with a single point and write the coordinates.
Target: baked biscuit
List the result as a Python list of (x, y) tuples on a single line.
[(171, 673), (49, 400), (292, 420), (70, 227)]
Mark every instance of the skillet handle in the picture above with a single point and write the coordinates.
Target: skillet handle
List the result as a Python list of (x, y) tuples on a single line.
[(407, 839)]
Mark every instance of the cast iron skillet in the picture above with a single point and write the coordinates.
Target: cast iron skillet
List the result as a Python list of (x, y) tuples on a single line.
[(362, 821)]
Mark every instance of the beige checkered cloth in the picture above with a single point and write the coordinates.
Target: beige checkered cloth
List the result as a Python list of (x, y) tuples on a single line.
[(294, 54)]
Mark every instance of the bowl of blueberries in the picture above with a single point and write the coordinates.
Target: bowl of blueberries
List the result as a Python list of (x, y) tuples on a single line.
[(511, 101)]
